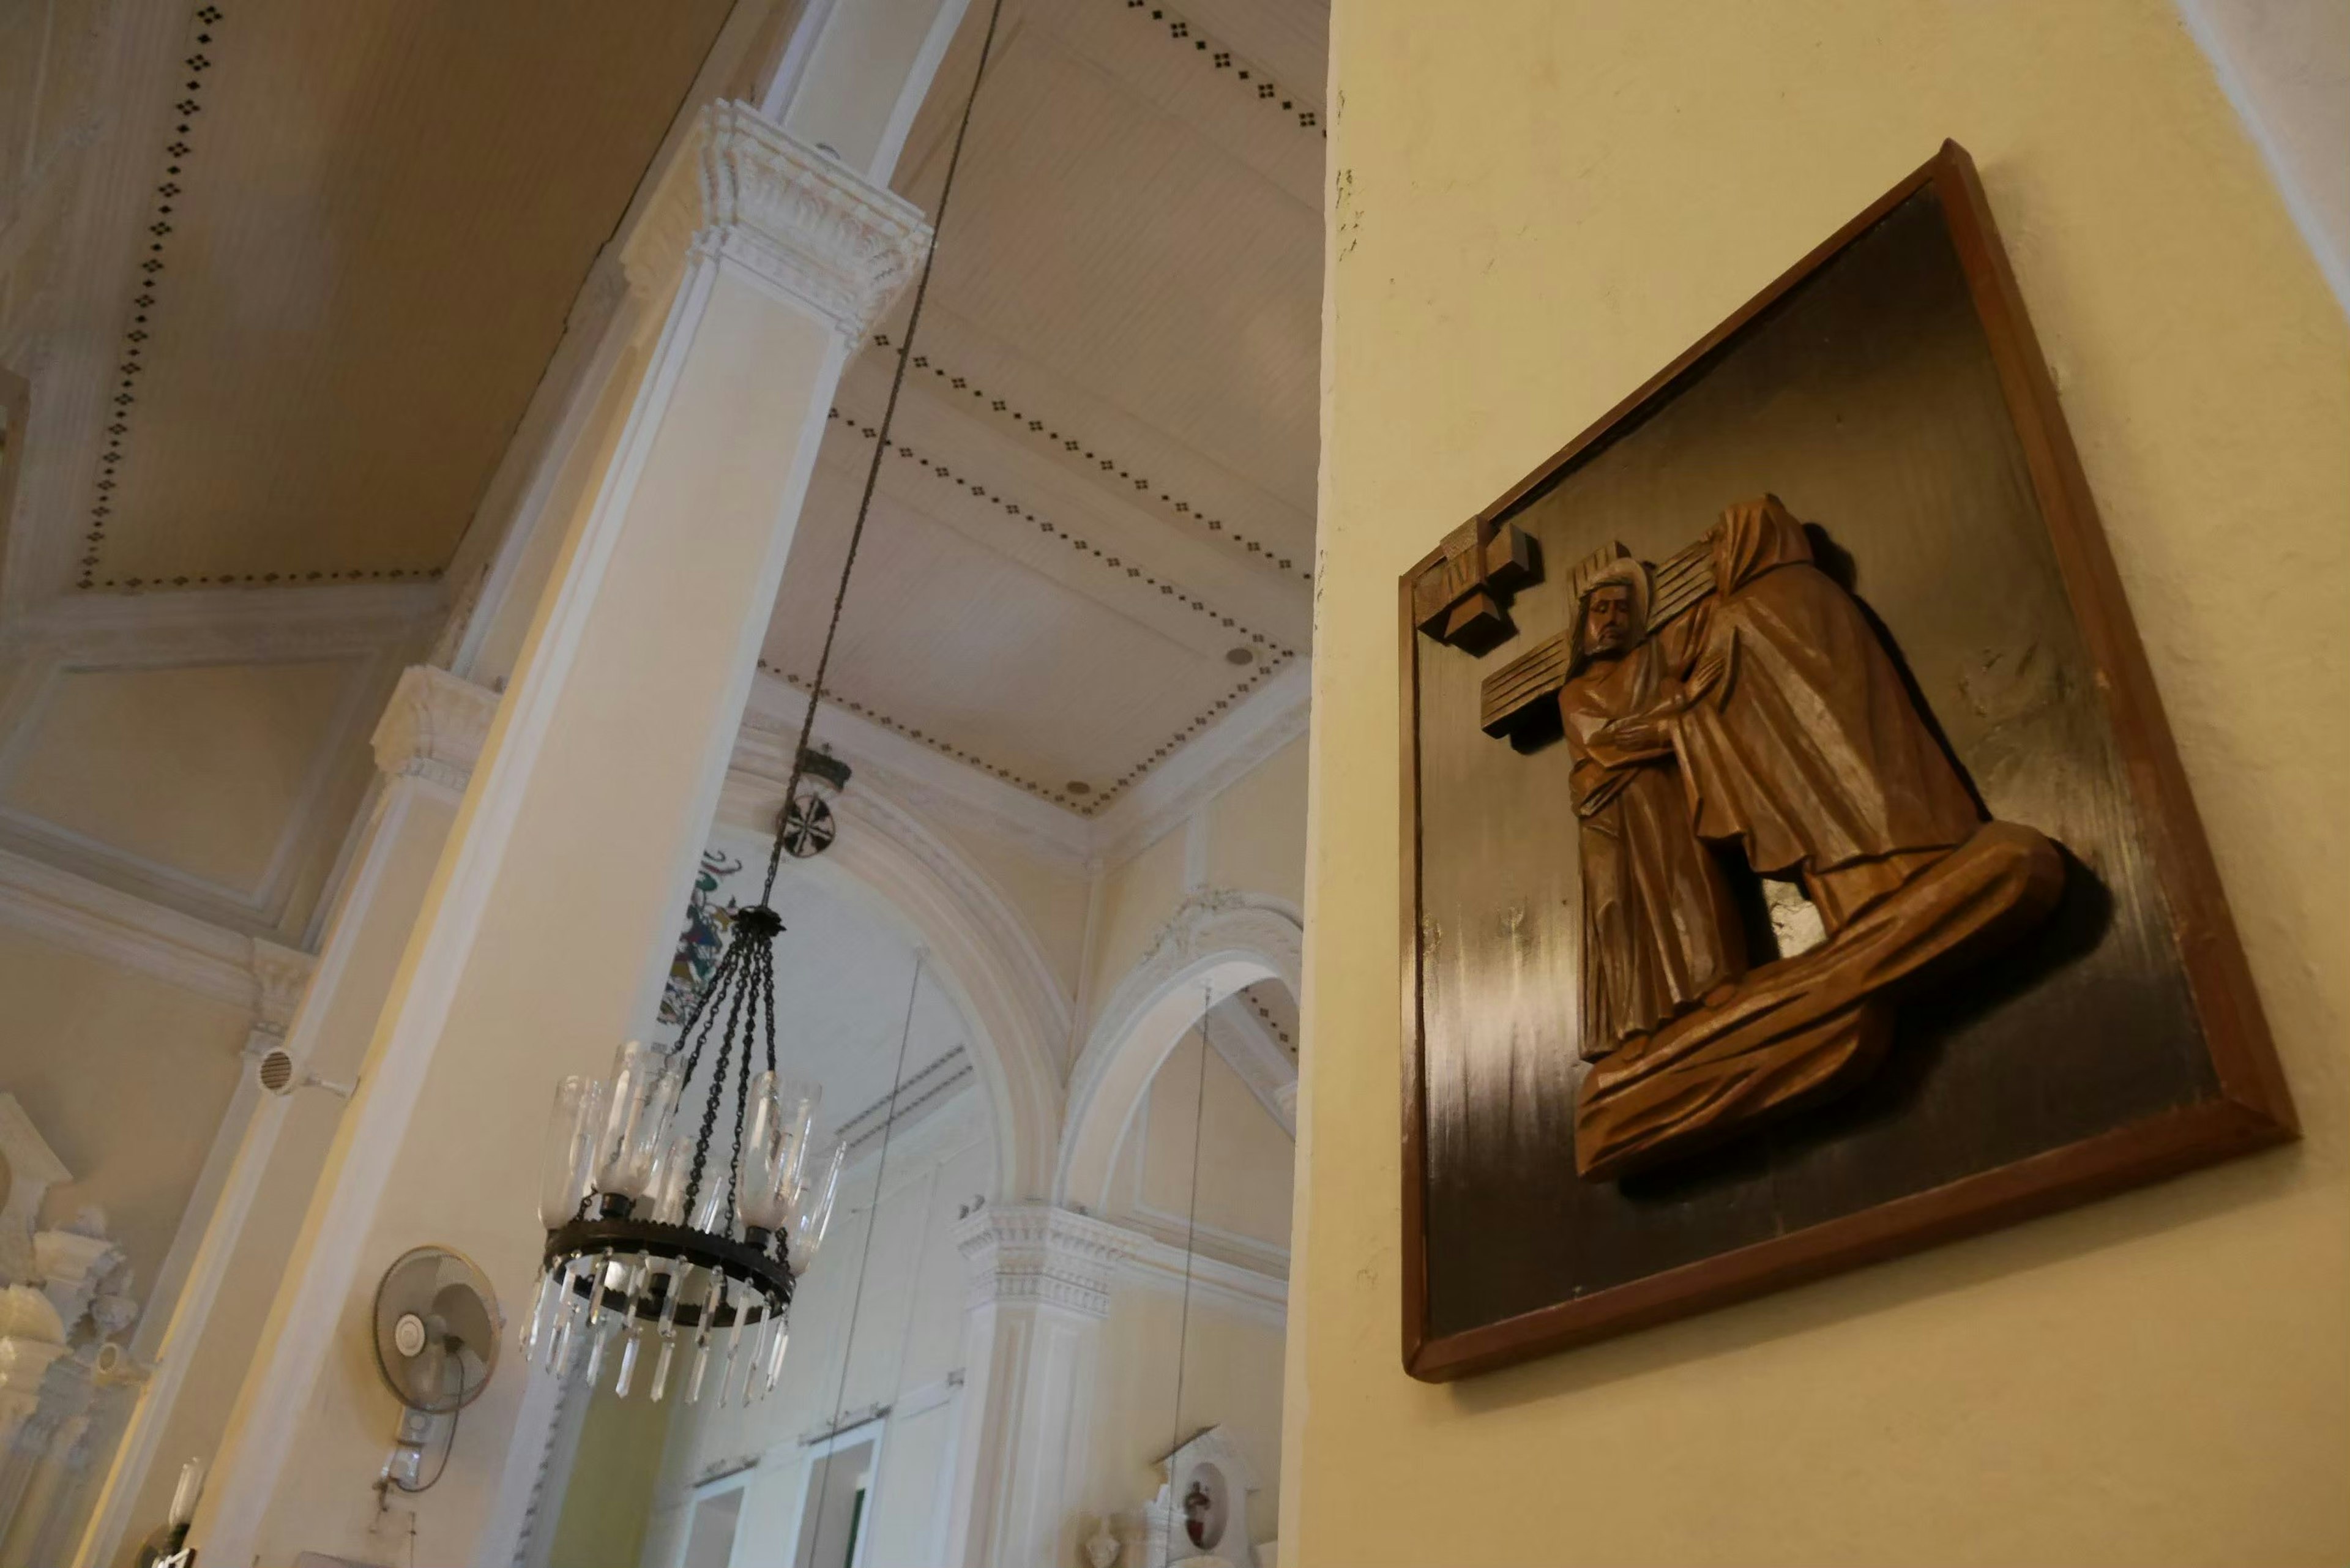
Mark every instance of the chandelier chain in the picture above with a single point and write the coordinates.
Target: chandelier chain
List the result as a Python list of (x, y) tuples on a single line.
[(880, 446)]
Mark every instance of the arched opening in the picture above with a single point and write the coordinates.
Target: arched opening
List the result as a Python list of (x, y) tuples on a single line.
[(937, 1085)]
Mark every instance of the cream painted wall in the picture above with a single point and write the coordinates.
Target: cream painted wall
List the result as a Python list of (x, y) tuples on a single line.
[(1136, 896), (1052, 900), (608, 1502), (414, 829), (1531, 216), (1257, 828), (224, 789), (126, 1076), (908, 1337), (1231, 1371), (1244, 1162)]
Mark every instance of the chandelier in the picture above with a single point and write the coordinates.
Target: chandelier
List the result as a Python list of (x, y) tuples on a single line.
[(672, 1235), (645, 1230)]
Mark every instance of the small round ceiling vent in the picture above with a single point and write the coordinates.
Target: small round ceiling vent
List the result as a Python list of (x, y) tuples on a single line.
[(276, 1071)]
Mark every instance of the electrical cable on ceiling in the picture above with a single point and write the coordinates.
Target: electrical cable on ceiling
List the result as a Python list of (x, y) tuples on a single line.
[(807, 730), (880, 446), (1191, 1234), (865, 1255)]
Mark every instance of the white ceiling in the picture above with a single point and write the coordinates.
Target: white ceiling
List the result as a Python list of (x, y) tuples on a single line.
[(1092, 536), (1092, 533), (304, 263)]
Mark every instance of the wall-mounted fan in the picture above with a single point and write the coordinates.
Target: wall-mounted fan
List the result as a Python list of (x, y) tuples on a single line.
[(436, 1341)]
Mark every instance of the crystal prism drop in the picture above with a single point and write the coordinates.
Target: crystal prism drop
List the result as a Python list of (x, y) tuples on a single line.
[(530, 1325), (628, 1363)]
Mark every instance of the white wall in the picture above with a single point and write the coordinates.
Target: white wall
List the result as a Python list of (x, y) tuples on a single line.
[(905, 1341)]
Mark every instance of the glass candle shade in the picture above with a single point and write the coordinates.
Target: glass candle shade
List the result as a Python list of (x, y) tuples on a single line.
[(811, 1213), (761, 1194), (798, 1099), (572, 1127), (644, 1093), (670, 1174)]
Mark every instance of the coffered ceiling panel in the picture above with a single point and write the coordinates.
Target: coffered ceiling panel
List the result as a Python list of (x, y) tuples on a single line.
[(991, 653), (369, 220), (1135, 255), (1093, 532)]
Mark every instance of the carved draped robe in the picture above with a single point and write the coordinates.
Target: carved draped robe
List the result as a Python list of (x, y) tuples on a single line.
[(1807, 751), (1658, 928)]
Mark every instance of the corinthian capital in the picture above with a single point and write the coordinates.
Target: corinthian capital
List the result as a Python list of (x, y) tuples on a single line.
[(434, 727), (1033, 1253), (746, 193)]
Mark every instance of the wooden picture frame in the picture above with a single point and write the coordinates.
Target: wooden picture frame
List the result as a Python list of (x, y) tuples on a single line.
[(2247, 1107)]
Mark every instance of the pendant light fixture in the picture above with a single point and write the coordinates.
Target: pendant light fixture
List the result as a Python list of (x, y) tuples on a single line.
[(687, 1241)]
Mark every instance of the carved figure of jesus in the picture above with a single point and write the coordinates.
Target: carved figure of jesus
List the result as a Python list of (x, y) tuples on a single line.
[(1660, 931)]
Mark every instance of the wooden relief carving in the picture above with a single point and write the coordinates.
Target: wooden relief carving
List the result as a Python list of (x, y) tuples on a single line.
[(1793, 882), (1737, 699)]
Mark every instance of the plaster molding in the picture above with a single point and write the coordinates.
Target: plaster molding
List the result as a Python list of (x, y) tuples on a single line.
[(1216, 939), (1164, 1267), (123, 928), (804, 224), (1263, 722), (1213, 920), (1258, 1060), (215, 625), (280, 975), (1033, 1252), (984, 955), (963, 797), (755, 780), (435, 728)]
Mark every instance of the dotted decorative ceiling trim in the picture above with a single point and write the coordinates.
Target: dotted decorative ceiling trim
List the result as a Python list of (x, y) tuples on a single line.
[(947, 1073), (1035, 430), (1084, 806), (942, 472), (178, 153), (1272, 1025), (1219, 58)]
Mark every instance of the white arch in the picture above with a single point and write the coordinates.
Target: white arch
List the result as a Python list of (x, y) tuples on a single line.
[(982, 953), (1212, 946)]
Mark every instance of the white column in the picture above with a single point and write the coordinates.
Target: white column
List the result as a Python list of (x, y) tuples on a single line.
[(323, 1013), (1039, 1282), (555, 909)]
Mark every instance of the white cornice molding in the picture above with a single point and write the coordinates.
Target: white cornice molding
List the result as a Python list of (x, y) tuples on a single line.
[(434, 727), (960, 796), (281, 974), (1162, 1267), (1257, 1059), (211, 626), (743, 192), (1034, 1252), (193, 954), (1267, 720)]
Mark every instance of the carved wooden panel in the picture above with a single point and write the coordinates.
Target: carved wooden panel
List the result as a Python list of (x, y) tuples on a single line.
[(2016, 986)]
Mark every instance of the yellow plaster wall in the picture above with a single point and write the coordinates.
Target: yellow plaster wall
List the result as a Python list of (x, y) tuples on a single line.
[(214, 772), (126, 1076), (1231, 1372), (1530, 215), (1257, 828), (1136, 896), (1243, 1158), (1050, 898)]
